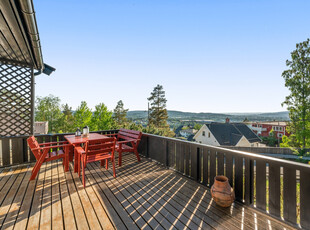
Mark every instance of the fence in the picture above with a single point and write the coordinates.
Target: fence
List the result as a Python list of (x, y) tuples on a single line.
[(279, 187), (14, 150)]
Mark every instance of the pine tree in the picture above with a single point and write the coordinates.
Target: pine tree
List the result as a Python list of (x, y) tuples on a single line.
[(120, 113), (158, 112), (82, 116), (67, 119)]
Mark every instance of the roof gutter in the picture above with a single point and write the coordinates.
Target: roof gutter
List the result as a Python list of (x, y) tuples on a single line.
[(28, 13)]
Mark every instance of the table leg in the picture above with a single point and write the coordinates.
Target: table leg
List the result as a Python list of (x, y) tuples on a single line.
[(67, 158), (75, 161)]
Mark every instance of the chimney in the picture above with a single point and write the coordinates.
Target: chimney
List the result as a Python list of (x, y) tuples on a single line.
[(227, 120)]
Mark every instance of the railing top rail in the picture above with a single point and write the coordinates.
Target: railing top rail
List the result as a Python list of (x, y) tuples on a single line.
[(53, 134), (254, 156)]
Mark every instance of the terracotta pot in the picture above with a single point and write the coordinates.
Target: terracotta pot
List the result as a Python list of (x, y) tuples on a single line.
[(221, 192)]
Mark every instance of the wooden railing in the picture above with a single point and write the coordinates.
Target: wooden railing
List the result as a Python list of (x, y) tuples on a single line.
[(279, 187), (14, 150)]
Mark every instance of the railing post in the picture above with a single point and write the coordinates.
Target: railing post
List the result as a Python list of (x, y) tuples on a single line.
[(167, 153), (195, 167), (5, 151), (248, 181)]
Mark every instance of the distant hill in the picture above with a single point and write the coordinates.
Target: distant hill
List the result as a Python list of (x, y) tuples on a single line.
[(219, 117)]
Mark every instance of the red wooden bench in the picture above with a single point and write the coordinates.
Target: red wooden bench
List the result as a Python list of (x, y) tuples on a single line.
[(127, 141), (43, 153), (96, 150)]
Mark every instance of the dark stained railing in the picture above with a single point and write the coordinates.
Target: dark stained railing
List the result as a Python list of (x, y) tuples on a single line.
[(14, 150), (279, 187)]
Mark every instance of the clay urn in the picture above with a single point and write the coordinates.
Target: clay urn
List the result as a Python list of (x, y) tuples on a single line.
[(221, 192)]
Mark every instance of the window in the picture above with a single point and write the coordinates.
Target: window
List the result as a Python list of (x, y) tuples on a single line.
[(209, 134), (203, 133)]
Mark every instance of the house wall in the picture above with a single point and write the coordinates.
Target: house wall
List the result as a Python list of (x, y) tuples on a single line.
[(205, 139), (263, 130), (243, 142)]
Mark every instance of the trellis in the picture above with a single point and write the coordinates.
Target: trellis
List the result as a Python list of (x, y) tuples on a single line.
[(16, 100)]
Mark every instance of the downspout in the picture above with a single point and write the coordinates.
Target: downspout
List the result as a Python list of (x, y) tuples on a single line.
[(28, 13)]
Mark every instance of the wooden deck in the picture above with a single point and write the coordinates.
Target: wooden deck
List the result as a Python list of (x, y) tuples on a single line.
[(143, 196)]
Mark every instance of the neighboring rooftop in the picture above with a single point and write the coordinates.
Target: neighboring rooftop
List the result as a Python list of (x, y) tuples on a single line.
[(231, 133)]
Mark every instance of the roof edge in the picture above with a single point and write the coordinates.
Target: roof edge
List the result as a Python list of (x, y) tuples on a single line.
[(30, 23)]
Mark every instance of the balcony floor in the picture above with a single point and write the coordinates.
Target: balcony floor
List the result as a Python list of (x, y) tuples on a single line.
[(144, 195)]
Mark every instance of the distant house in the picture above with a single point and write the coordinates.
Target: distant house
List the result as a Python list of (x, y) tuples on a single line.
[(227, 134), (263, 129), (41, 127), (187, 132)]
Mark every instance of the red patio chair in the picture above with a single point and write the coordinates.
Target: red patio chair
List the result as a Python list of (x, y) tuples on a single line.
[(43, 153), (96, 150), (127, 141)]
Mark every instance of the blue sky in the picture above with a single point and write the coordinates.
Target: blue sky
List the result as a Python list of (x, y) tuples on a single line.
[(210, 56)]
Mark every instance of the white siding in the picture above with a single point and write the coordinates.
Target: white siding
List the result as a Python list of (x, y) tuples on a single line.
[(243, 142), (205, 139)]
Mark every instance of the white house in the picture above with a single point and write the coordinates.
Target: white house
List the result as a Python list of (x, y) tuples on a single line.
[(228, 134)]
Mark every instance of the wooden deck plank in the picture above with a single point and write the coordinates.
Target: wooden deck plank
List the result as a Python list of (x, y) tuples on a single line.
[(191, 221), (80, 217), (98, 207), (67, 208), (129, 223), (142, 197), (9, 182), (148, 204), (213, 209), (6, 204), (128, 193), (57, 217), (245, 221), (262, 220), (35, 213), (4, 171), (86, 203), (15, 208), (194, 196), (178, 211), (46, 207), (22, 218), (111, 212)]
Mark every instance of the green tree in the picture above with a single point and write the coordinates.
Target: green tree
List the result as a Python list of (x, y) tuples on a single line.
[(67, 119), (48, 109), (158, 112), (297, 80), (120, 114), (197, 126), (82, 116), (102, 118)]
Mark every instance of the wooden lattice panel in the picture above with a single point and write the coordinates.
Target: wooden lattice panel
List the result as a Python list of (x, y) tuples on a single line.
[(15, 100)]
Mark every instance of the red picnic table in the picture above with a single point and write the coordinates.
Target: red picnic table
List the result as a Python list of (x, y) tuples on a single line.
[(77, 141)]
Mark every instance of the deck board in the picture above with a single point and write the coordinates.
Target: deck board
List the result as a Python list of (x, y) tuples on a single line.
[(144, 195)]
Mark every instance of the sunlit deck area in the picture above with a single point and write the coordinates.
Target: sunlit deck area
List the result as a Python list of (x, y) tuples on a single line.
[(145, 195)]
